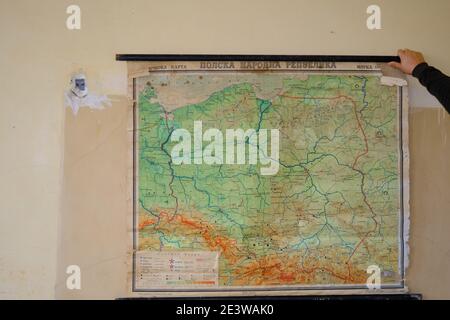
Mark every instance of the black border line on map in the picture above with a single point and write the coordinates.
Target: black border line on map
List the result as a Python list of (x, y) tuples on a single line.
[(239, 57), (402, 209), (401, 284), (134, 186)]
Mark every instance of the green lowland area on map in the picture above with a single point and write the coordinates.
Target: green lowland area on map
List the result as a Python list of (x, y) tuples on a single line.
[(332, 209)]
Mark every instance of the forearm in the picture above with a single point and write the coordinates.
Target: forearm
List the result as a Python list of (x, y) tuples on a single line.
[(437, 83)]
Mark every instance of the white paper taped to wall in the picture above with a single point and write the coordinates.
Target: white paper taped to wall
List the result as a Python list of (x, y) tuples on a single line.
[(392, 77), (91, 101), (78, 96), (419, 97), (391, 81)]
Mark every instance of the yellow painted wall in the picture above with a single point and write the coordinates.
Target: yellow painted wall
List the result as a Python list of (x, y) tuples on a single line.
[(38, 54)]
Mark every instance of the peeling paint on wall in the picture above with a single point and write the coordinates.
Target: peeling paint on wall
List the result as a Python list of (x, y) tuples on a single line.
[(78, 95)]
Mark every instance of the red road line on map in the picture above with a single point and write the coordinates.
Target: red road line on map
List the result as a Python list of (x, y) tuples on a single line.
[(348, 277), (354, 163), (364, 135), (356, 115), (362, 188)]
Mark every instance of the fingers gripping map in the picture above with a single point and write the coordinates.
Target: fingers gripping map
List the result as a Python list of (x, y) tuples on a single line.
[(268, 176)]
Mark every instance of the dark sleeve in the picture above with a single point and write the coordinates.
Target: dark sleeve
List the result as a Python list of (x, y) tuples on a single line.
[(437, 83)]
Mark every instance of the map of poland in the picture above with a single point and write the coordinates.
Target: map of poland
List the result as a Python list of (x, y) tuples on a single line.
[(328, 207)]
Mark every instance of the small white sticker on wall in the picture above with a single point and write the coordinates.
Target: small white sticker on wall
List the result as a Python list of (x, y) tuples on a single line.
[(73, 281), (374, 20), (73, 21), (78, 95), (374, 280)]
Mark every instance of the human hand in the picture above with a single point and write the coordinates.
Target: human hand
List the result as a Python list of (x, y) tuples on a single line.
[(409, 60)]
